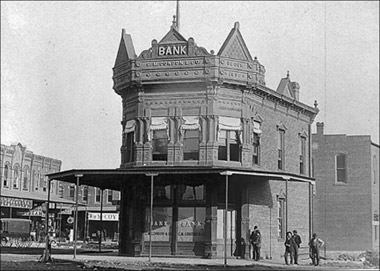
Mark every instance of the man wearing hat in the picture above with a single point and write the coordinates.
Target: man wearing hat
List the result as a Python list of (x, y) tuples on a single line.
[(297, 242)]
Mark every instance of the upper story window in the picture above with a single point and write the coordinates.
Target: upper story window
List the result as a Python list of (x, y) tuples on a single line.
[(129, 137), (15, 177), (60, 191), (109, 196), (25, 183), (71, 191), (255, 138), (159, 135), (281, 149), (229, 139), (37, 181), (85, 193), (97, 194), (44, 186), (190, 130), (341, 168), (6, 176), (302, 154)]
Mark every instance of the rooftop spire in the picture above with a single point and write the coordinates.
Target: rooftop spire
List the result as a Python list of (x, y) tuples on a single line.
[(177, 16)]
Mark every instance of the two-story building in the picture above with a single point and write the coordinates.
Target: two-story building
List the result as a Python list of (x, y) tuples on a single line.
[(209, 146), (346, 209)]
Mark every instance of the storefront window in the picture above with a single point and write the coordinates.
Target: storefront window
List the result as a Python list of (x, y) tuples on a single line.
[(161, 224), (191, 224), (161, 193), (188, 192)]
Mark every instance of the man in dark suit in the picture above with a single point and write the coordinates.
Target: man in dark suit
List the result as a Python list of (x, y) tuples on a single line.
[(297, 243)]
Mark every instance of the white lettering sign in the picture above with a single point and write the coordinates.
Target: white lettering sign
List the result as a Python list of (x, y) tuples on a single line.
[(172, 50), (105, 216)]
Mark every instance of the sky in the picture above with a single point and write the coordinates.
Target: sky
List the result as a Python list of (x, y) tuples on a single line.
[(57, 58)]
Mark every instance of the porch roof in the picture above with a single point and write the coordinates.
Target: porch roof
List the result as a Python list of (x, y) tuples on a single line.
[(113, 178)]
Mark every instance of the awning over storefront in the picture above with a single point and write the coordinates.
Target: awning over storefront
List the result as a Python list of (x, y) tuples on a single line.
[(36, 196), (114, 178)]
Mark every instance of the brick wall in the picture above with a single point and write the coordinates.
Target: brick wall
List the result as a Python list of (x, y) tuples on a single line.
[(342, 212), (263, 210)]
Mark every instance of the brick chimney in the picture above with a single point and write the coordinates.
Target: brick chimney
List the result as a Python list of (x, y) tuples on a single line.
[(320, 126)]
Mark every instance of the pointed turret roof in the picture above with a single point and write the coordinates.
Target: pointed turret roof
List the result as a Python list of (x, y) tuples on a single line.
[(234, 46), (288, 88), (126, 50)]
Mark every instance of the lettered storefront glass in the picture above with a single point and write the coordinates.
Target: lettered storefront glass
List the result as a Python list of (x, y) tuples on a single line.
[(191, 224), (161, 224)]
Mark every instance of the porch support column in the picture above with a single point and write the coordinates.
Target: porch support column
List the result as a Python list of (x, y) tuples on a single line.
[(151, 212), (47, 239), (226, 173), (76, 215)]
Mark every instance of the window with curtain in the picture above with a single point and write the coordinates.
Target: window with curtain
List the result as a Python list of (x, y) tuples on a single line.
[(256, 133), (6, 176), (340, 166), (281, 149), (129, 132), (191, 145), (229, 132), (159, 135), (302, 154)]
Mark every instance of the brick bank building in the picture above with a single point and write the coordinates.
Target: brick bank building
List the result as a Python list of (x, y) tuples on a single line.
[(223, 151)]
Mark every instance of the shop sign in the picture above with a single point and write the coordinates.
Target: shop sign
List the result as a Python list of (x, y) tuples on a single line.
[(16, 203), (105, 216), (172, 50)]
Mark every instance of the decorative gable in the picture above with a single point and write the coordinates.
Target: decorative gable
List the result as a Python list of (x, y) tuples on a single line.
[(173, 36), (234, 46), (126, 50)]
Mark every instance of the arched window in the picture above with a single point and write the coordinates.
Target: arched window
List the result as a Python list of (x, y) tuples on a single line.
[(25, 183), (6, 176), (340, 166), (15, 177), (60, 192), (37, 181)]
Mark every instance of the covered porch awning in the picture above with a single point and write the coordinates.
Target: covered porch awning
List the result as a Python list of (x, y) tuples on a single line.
[(36, 196), (113, 178)]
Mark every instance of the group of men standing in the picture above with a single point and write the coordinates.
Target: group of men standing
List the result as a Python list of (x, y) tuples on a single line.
[(292, 245)]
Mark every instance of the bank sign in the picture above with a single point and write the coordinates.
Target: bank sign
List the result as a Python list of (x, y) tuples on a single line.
[(105, 216), (170, 50)]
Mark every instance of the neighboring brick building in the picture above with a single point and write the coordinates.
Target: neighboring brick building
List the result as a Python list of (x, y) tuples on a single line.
[(346, 209), (193, 122), (24, 184), (24, 191)]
